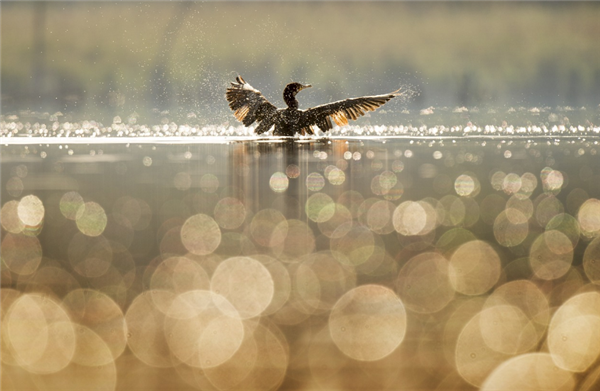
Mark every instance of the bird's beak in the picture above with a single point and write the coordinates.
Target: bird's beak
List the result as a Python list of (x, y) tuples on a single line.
[(306, 86)]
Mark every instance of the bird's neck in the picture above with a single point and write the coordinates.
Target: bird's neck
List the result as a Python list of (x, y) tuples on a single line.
[(290, 99)]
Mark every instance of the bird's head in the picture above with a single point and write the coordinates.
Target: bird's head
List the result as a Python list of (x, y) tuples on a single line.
[(294, 88), (290, 91)]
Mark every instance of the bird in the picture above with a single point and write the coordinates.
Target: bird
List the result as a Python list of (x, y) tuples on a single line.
[(249, 106)]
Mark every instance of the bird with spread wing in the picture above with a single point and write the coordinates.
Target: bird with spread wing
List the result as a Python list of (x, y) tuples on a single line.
[(249, 106)]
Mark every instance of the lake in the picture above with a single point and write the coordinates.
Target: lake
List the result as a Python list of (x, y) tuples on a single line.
[(399, 257)]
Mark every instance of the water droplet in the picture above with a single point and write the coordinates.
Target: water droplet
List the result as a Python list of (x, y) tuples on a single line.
[(473, 355)]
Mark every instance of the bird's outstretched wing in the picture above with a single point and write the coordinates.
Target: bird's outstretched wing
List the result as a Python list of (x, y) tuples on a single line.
[(247, 103), (341, 111)]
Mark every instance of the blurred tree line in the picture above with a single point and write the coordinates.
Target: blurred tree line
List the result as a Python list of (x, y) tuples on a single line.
[(118, 58)]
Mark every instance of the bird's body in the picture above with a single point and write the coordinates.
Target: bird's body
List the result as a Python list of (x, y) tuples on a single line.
[(250, 106)]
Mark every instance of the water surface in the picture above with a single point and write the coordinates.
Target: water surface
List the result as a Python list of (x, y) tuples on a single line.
[(382, 257)]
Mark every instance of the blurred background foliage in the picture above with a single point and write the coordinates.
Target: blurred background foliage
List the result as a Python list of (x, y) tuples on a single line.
[(107, 58)]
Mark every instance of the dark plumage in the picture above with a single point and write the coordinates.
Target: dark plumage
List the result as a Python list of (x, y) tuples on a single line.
[(250, 106)]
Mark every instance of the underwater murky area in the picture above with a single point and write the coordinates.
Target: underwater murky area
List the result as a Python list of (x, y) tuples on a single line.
[(413, 257)]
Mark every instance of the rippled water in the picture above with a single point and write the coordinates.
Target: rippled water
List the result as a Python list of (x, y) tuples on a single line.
[(400, 257)]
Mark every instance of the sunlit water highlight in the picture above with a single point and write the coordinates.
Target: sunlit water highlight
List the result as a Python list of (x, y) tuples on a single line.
[(170, 133), (429, 122), (374, 257)]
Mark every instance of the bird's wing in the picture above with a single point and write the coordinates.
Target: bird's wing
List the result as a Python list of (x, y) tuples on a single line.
[(341, 111), (247, 103)]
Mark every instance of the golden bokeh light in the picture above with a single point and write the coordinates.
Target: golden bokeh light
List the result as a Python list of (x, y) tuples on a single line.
[(474, 268), (526, 296), (200, 234), (9, 217), (41, 336), (182, 181), (455, 210), (91, 350), (466, 185), (245, 283), (368, 323), (90, 256), (574, 332), (203, 329), (379, 217), (506, 329), (145, 324), (279, 182), (338, 224), (178, 275), (52, 281), (410, 218), (319, 207), (299, 241), (136, 210), (352, 200), (589, 217), (230, 213), (552, 180), (31, 210), (22, 254), (497, 180), (282, 284), (292, 171), (321, 280), (546, 207), (355, 247), (523, 205), (551, 255), (315, 181), (511, 227), (591, 261), (423, 283), (511, 183), (566, 224), (7, 298), (334, 175), (474, 358), (102, 325), (209, 183), (14, 186), (528, 185), (269, 227), (91, 219), (532, 371), (309, 264)]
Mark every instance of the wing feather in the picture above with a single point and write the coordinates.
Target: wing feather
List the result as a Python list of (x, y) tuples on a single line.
[(248, 103), (341, 111)]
